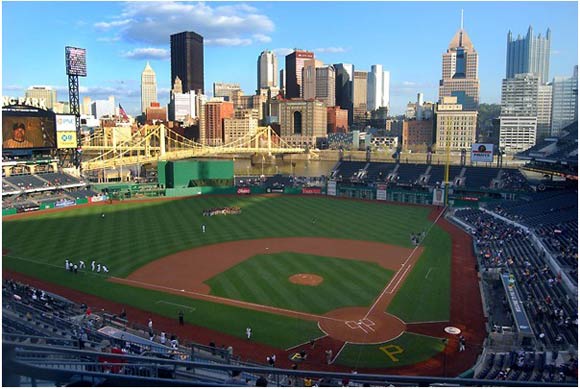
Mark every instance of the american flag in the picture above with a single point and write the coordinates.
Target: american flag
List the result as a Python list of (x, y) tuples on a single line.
[(123, 113)]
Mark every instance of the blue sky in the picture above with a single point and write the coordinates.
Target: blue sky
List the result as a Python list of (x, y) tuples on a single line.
[(407, 38)]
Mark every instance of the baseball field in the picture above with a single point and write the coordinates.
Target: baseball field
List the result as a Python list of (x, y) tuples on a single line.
[(293, 268)]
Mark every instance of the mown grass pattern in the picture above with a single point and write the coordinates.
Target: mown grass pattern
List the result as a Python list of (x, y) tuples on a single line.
[(134, 233), (415, 348), (263, 279)]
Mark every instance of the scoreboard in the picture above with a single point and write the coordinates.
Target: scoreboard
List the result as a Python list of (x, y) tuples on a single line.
[(76, 61)]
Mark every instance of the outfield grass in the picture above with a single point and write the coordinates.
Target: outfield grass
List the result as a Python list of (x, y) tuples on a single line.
[(263, 279), (133, 234), (428, 283), (407, 349)]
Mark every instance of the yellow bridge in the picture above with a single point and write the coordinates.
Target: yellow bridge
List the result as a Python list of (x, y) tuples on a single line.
[(151, 143)]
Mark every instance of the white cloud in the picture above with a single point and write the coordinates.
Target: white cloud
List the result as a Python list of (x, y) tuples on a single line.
[(147, 53), (13, 88), (114, 23), (152, 23), (262, 38), (282, 51), (331, 50), (108, 39)]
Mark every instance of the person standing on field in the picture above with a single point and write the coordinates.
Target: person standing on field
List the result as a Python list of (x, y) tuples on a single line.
[(248, 333)]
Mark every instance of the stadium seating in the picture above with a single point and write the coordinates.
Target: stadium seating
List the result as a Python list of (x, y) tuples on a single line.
[(506, 247), (526, 366), (480, 178), (59, 179), (379, 171), (409, 174), (26, 182)]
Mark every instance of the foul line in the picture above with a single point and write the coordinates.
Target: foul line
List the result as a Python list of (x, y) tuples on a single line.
[(403, 266), (238, 303), (338, 353), (305, 343), (177, 305)]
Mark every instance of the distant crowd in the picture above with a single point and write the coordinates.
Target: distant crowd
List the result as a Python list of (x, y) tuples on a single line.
[(222, 211)]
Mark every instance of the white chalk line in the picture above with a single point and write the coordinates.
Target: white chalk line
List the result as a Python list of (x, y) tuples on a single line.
[(427, 275), (191, 309), (239, 303), (338, 353), (307, 343), (404, 264)]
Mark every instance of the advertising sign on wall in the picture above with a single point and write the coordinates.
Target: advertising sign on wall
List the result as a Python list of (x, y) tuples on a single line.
[(64, 203), (331, 188), (98, 198), (482, 152), (244, 191), (312, 190), (381, 192)]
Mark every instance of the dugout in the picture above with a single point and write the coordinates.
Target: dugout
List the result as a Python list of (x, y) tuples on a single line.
[(194, 173)]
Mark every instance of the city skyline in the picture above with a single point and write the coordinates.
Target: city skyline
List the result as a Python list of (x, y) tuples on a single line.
[(121, 37)]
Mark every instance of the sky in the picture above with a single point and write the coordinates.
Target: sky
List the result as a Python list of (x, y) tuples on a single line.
[(407, 38)]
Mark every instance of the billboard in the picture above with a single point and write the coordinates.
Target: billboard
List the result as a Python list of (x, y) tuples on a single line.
[(312, 191), (66, 133), (482, 152), (382, 192), (76, 61), (25, 127)]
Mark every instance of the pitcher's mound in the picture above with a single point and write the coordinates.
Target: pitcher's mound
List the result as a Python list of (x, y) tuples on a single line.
[(306, 279)]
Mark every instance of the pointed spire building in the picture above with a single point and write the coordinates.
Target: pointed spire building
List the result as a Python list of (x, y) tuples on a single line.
[(460, 71), (148, 88)]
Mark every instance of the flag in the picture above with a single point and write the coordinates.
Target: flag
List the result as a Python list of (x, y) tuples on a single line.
[(123, 113)]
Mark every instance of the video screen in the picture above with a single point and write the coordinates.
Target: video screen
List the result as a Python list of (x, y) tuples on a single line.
[(32, 131)]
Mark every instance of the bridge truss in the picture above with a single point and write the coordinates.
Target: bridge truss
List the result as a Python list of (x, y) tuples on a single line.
[(152, 143)]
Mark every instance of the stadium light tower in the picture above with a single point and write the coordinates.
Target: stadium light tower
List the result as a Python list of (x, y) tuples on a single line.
[(76, 66)]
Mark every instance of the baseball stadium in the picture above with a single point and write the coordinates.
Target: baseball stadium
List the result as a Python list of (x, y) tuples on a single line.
[(186, 272)]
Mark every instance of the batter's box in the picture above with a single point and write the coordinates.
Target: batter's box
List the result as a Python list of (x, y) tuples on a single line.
[(353, 325), (367, 322)]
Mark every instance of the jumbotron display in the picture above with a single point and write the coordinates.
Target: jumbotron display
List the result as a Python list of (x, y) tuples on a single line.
[(27, 128), (76, 61)]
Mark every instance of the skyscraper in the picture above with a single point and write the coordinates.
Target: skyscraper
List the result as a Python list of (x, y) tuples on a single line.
[(42, 92), (187, 60), (267, 70), (325, 85), (459, 75), (343, 90), (294, 64), (378, 88), (148, 87), (359, 99), (226, 90), (308, 86), (564, 101), (529, 55), (519, 112)]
